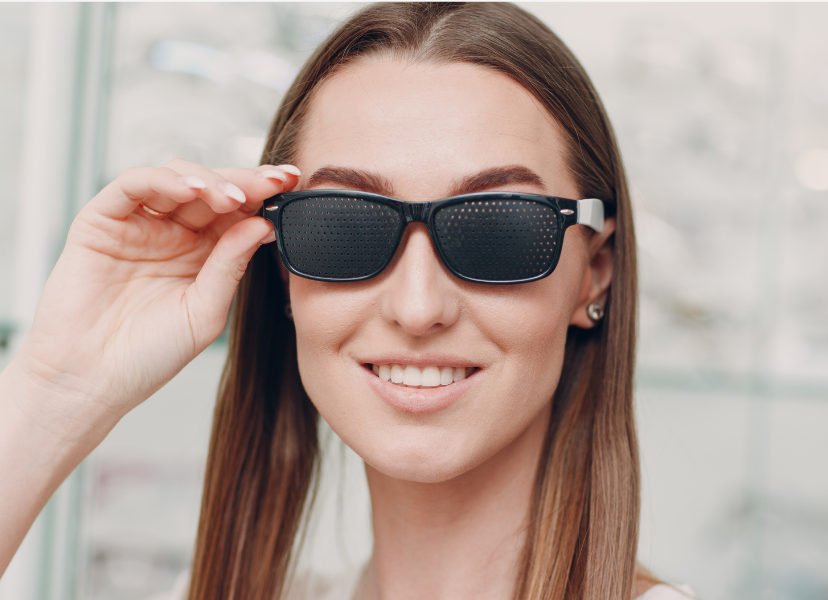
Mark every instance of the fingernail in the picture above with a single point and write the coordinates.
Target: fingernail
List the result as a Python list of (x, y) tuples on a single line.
[(230, 190), (192, 182), (274, 174), (270, 237), (290, 169)]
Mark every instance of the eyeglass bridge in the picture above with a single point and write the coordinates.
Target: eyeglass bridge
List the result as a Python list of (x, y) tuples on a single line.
[(415, 212)]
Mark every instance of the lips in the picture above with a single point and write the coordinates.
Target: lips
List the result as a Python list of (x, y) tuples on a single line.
[(420, 388)]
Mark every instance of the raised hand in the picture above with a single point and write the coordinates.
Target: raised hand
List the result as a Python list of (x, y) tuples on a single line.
[(137, 294), (143, 285)]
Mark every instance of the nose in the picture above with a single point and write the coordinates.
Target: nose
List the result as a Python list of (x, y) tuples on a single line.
[(420, 296)]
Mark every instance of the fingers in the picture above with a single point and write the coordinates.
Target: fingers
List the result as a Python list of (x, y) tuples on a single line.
[(208, 298), (220, 195), (180, 183), (257, 185), (164, 189), (121, 197)]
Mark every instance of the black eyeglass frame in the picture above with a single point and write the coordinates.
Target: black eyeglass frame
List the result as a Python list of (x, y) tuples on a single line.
[(589, 212)]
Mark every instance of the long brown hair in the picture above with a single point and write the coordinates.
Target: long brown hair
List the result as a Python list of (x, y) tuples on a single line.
[(583, 530)]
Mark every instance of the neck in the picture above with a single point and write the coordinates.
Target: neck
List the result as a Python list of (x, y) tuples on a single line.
[(457, 539)]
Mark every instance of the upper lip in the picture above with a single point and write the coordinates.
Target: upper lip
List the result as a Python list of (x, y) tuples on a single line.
[(430, 359)]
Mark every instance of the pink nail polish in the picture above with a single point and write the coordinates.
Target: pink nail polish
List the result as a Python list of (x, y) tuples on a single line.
[(274, 174), (192, 182), (231, 191), (290, 169)]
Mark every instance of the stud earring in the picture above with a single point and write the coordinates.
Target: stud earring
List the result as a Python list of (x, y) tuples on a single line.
[(289, 311), (595, 312)]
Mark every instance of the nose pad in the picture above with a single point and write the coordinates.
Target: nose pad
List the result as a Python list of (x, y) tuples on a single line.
[(420, 294)]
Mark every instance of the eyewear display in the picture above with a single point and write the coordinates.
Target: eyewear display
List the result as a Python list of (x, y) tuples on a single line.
[(489, 237)]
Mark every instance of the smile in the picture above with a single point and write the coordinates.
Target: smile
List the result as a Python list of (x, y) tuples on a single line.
[(425, 377)]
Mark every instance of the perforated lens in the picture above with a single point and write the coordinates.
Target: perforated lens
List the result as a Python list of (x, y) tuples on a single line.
[(497, 240), (339, 237)]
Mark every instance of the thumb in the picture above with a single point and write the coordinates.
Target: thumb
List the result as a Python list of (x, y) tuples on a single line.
[(209, 297)]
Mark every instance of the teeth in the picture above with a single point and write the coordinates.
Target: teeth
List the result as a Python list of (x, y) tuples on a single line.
[(411, 376), (385, 372), (396, 374), (431, 377)]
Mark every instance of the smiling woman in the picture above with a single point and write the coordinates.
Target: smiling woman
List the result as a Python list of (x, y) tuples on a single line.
[(453, 290), (509, 472)]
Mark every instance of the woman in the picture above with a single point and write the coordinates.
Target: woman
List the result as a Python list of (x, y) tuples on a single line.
[(477, 359)]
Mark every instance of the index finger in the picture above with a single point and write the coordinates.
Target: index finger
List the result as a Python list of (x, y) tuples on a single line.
[(261, 183)]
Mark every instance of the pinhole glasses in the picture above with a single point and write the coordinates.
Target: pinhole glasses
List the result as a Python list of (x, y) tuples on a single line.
[(489, 237)]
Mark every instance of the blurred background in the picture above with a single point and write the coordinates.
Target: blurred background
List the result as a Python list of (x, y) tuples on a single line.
[(722, 115)]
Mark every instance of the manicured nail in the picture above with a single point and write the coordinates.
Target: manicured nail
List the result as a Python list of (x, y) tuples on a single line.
[(192, 182), (290, 169), (274, 174), (230, 190), (270, 237)]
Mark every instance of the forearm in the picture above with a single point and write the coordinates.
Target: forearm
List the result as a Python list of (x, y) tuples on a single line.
[(42, 439)]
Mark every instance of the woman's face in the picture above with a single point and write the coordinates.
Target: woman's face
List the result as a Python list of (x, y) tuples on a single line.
[(421, 132)]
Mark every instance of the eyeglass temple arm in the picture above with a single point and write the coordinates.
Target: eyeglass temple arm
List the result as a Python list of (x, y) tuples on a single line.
[(590, 212)]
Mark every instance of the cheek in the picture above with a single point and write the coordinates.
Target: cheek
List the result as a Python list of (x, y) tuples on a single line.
[(529, 325), (325, 317), (531, 335), (531, 320)]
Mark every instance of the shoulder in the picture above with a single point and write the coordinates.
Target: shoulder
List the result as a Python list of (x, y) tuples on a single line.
[(668, 592)]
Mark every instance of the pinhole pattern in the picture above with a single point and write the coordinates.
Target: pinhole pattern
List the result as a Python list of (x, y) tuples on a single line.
[(338, 236), (498, 240)]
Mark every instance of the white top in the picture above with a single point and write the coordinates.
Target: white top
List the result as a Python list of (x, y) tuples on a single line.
[(342, 587)]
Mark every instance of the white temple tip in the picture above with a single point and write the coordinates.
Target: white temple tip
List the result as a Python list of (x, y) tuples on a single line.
[(591, 213)]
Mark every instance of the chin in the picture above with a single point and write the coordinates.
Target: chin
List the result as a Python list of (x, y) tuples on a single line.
[(418, 472), (421, 458)]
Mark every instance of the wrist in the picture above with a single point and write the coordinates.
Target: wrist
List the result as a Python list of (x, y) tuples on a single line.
[(44, 435), (50, 409)]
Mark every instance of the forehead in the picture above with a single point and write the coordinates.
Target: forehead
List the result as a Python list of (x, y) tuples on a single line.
[(410, 121)]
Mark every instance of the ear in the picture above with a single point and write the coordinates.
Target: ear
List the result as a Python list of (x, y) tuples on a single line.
[(597, 276)]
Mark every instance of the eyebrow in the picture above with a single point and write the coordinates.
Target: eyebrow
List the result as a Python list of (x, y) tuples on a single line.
[(366, 181), (352, 179), (496, 177)]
